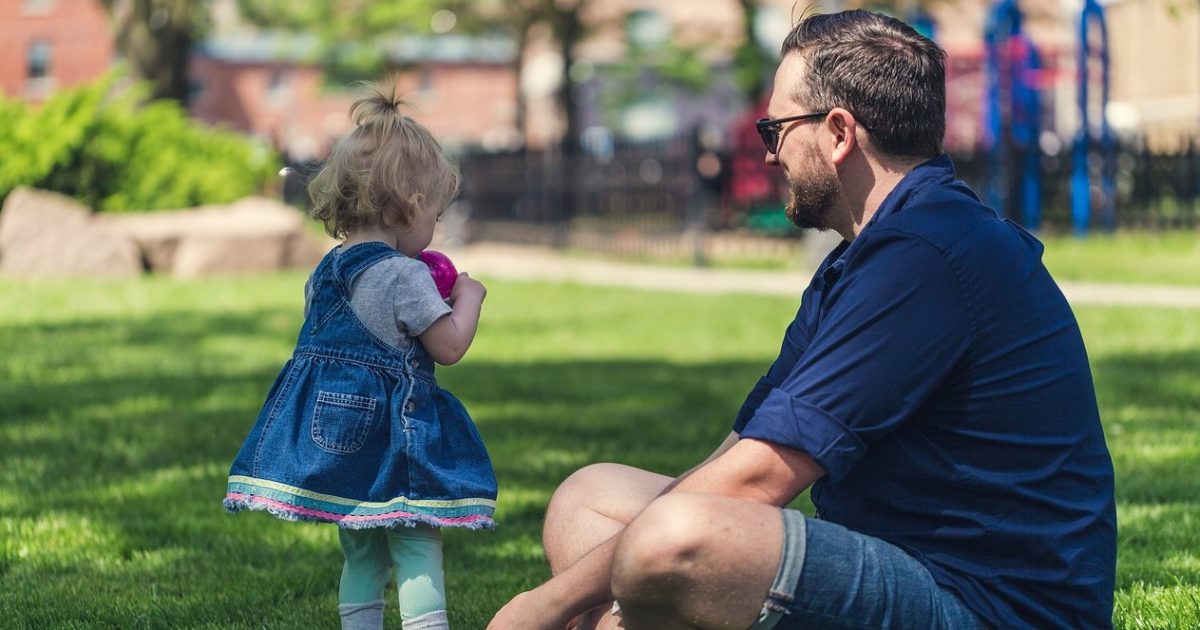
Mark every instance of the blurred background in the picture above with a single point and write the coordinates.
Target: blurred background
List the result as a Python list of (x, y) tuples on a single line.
[(165, 145), (623, 126)]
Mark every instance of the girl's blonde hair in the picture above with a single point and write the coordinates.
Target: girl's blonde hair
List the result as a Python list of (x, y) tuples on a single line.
[(383, 172)]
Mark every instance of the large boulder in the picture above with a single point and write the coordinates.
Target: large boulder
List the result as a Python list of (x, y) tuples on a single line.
[(251, 235), (48, 234)]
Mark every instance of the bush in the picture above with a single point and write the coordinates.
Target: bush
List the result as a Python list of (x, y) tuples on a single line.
[(114, 152)]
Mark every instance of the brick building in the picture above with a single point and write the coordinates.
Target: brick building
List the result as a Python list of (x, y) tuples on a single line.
[(51, 44), (265, 84)]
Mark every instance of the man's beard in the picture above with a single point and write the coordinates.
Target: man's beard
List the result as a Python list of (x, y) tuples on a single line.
[(810, 200)]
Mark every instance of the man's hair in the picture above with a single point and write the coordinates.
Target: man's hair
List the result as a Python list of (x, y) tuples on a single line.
[(891, 78), (379, 173)]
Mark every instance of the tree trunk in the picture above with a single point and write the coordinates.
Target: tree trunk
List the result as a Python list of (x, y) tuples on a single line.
[(569, 30), (156, 37)]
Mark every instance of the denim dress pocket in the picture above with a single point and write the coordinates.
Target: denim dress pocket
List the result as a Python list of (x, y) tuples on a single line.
[(342, 422)]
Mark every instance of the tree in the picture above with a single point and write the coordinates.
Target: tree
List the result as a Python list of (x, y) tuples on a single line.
[(156, 38), (750, 62), (351, 32)]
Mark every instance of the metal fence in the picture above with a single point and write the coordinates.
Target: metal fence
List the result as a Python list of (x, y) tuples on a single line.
[(676, 198), (1155, 190)]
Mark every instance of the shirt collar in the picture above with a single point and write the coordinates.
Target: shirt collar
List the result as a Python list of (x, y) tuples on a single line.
[(938, 169)]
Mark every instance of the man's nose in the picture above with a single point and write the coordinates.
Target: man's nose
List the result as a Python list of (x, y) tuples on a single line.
[(771, 159)]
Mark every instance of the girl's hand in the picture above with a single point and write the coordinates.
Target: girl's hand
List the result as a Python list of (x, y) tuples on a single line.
[(467, 286)]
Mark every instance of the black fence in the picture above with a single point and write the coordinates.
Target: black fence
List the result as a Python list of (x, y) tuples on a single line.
[(627, 191), (1154, 190), (678, 197)]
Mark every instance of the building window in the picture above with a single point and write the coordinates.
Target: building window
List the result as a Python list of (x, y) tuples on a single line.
[(279, 88), (39, 61), (38, 7), (38, 82), (195, 89)]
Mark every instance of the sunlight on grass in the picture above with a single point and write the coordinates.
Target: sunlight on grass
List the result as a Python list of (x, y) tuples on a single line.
[(56, 538), (1161, 608), (1133, 257), (125, 401)]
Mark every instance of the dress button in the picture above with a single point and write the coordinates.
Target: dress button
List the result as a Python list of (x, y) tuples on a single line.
[(411, 406), (415, 363)]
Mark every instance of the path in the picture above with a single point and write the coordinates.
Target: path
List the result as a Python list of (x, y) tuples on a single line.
[(518, 262)]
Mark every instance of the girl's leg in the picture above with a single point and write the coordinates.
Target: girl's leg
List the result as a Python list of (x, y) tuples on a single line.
[(364, 578), (417, 554)]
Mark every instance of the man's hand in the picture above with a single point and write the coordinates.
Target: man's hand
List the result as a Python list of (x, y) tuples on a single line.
[(527, 611)]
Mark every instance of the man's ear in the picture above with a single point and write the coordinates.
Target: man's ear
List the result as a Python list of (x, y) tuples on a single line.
[(843, 128)]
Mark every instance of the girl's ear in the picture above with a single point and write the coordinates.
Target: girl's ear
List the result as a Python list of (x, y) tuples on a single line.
[(417, 202)]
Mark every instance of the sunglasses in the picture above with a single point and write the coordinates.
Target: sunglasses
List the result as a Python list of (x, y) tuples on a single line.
[(768, 128)]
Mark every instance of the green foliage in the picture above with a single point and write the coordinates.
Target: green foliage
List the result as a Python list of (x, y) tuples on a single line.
[(351, 33), (113, 152)]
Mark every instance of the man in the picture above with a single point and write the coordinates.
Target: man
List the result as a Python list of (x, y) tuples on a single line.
[(933, 390)]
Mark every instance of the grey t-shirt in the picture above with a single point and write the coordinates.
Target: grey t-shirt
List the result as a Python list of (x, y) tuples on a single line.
[(395, 298)]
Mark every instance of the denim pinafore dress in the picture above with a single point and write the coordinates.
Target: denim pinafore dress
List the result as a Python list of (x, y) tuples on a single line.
[(357, 432)]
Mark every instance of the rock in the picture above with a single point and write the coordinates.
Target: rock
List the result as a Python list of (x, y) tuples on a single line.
[(251, 235), (205, 255), (48, 234)]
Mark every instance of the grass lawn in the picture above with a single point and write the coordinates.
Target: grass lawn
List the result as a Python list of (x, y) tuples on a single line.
[(1131, 257), (123, 402)]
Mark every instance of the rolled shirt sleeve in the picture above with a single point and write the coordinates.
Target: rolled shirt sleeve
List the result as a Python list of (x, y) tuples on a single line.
[(885, 335)]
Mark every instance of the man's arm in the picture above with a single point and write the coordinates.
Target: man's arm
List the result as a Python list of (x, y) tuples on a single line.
[(747, 469), (757, 471)]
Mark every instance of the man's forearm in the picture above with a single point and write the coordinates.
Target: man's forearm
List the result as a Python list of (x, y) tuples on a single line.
[(582, 586)]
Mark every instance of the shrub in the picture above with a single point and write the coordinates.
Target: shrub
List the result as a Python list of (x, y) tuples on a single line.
[(114, 152)]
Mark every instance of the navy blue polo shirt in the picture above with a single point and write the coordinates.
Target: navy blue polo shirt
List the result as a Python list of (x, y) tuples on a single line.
[(937, 374)]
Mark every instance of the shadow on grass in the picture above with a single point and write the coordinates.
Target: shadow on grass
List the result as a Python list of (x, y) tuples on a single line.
[(117, 436)]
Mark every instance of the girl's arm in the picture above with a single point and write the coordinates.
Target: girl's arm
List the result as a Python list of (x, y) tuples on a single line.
[(448, 338)]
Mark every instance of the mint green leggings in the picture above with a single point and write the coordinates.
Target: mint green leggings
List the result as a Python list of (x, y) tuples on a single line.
[(416, 553)]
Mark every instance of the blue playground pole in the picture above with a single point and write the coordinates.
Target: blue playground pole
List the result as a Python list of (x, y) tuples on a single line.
[(1026, 131), (1012, 118), (1086, 141)]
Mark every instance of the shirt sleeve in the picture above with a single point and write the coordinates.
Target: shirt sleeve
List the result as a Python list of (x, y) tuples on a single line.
[(888, 333), (795, 341), (417, 303)]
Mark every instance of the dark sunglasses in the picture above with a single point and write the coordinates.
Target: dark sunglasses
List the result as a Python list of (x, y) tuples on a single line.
[(768, 128)]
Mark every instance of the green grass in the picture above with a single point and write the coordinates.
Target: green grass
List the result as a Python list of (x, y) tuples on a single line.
[(123, 402), (1165, 258), (1130, 257)]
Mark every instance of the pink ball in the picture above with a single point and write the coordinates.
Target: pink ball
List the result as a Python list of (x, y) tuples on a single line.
[(443, 271)]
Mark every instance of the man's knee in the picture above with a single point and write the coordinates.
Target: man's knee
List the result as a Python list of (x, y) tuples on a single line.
[(566, 532), (575, 491), (578, 485), (660, 552)]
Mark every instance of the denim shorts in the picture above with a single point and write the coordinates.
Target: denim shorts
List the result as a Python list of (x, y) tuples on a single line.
[(833, 578)]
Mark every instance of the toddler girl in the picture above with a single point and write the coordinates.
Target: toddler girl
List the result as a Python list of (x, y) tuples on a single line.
[(356, 431)]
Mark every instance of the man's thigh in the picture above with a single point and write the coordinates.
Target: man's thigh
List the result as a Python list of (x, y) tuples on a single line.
[(832, 577)]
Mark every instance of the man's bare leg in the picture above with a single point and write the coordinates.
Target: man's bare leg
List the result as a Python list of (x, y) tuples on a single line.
[(592, 505), (697, 561), (589, 507)]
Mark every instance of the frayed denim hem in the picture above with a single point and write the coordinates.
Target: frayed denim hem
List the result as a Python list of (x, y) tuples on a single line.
[(349, 521)]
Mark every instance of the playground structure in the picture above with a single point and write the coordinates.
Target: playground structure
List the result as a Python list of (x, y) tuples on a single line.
[(1013, 121)]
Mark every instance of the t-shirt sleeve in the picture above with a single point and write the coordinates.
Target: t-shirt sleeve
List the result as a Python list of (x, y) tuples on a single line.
[(889, 332), (416, 301)]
